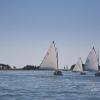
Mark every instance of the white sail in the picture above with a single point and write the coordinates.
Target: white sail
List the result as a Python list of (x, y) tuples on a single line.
[(91, 63), (50, 60), (78, 67), (98, 59)]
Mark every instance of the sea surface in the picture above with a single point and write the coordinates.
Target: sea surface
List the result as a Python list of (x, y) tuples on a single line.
[(43, 85)]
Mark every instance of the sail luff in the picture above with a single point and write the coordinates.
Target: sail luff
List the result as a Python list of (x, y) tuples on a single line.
[(56, 55), (98, 58), (98, 61)]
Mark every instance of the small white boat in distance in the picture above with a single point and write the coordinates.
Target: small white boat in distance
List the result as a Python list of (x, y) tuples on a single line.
[(50, 61), (79, 67)]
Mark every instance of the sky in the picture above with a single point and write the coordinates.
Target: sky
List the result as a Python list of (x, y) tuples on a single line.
[(27, 28)]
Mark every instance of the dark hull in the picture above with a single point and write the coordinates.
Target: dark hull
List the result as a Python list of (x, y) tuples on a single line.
[(82, 73), (97, 74), (75, 71), (58, 72)]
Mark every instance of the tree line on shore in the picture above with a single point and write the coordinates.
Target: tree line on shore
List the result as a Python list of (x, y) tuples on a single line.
[(27, 67)]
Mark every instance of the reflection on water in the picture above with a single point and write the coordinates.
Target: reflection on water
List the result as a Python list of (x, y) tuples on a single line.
[(43, 85)]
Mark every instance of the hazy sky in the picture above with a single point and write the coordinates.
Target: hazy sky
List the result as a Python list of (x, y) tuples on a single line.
[(27, 28)]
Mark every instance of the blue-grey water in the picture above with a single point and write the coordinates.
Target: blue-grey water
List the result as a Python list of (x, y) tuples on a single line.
[(43, 85)]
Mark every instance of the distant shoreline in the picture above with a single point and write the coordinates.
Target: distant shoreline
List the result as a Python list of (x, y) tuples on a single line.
[(30, 70)]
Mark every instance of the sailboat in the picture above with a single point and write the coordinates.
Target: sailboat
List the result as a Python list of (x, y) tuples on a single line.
[(50, 60), (92, 62), (79, 67)]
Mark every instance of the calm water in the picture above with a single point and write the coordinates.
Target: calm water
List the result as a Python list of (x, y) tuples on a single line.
[(42, 85)]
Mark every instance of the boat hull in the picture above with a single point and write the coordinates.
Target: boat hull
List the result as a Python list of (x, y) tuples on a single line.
[(97, 74), (58, 72), (82, 73)]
